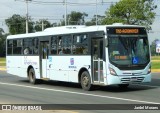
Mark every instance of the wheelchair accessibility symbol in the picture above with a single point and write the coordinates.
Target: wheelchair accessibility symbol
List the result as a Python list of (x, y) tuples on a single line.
[(135, 60)]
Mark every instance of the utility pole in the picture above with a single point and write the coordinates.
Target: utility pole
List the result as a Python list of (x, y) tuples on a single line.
[(96, 12), (42, 24), (65, 15), (27, 15)]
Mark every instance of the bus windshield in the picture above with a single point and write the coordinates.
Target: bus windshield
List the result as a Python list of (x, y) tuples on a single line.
[(128, 50)]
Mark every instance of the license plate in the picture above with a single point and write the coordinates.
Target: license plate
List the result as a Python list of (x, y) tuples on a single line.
[(133, 79)]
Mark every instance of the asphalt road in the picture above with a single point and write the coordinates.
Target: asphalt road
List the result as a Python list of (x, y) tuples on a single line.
[(16, 90)]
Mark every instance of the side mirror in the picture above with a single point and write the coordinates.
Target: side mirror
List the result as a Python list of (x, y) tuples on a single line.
[(106, 42)]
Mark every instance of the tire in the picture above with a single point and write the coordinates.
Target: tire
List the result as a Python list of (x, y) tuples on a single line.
[(86, 81), (32, 76), (123, 86)]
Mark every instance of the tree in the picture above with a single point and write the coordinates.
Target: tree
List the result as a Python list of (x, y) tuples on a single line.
[(135, 12), (17, 24), (93, 20), (2, 42), (1, 31), (75, 18), (44, 22), (153, 47)]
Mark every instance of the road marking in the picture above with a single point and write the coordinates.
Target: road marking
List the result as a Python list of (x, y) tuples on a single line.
[(78, 93), (150, 86)]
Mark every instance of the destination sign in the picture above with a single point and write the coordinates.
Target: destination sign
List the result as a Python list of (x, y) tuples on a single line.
[(126, 31)]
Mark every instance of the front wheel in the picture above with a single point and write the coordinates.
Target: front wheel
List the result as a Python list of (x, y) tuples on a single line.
[(86, 81), (32, 76)]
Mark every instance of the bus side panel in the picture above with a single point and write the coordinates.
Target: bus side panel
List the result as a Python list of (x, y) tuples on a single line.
[(18, 65), (66, 68), (30, 61), (14, 65), (80, 62)]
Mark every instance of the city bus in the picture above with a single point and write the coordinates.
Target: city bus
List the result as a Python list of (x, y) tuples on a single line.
[(103, 55)]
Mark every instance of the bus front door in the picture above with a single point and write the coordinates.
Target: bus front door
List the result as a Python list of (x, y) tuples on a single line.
[(97, 60), (44, 46)]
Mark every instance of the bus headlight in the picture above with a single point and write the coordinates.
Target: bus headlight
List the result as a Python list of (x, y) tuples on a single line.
[(112, 72), (149, 70)]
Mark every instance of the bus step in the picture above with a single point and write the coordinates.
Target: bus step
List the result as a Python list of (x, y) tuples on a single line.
[(44, 78)]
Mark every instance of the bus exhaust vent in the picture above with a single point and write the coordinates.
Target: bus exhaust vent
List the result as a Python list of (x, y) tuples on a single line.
[(132, 80)]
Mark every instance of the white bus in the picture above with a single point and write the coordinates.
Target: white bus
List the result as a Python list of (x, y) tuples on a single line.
[(103, 55)]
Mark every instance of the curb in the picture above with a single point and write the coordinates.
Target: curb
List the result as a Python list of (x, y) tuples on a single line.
[(155, 70), (2, 69)]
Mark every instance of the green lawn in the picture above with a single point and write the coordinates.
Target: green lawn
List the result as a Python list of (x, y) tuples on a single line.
[(155, 65), (2, 59), (2, 64), (155, 58)]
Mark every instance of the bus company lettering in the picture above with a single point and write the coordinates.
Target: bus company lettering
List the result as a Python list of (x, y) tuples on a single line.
[(29, 62)]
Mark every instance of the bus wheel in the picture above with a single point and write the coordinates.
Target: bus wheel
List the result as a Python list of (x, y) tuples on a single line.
[(86, 81), (123, 86), (32, 77)]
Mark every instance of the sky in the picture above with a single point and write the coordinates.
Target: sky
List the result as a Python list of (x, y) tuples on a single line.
[(53, 10)]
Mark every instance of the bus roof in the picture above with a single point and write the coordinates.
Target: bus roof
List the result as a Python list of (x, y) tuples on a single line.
[(69, 29)]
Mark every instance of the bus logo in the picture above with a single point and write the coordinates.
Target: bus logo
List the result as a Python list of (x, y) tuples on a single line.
[(72, 61)]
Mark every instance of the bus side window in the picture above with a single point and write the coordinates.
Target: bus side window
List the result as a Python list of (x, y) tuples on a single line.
[(9, 47), (80, 44), (59, 45), (66, 44), (17, 46), (26, 51), (35, 45), (27, 46), (54, 45)]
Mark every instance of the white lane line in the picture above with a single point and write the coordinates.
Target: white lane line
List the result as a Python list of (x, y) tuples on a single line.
[(78, 93), (150, 86)]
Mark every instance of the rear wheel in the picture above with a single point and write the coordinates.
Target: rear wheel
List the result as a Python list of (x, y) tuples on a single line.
[(32, 76), (86, 81)]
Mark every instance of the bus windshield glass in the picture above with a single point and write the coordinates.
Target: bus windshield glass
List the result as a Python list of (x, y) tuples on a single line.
[(128, 50)]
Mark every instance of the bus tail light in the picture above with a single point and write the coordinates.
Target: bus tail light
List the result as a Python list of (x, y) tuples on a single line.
[(112, 71)]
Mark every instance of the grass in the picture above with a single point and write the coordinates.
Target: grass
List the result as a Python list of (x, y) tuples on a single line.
[(155, 65), (2, 59), (155, 58), (2, 64)]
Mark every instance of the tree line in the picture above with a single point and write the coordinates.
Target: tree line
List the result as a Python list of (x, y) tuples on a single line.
[(135, 12)]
